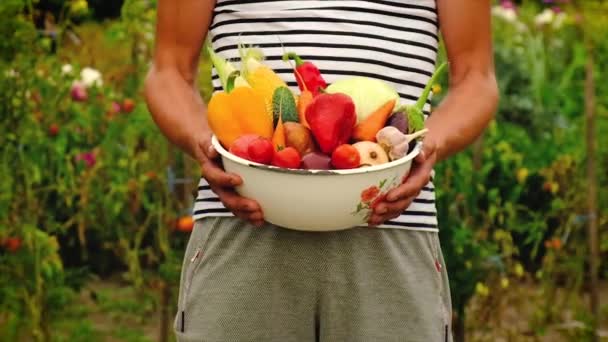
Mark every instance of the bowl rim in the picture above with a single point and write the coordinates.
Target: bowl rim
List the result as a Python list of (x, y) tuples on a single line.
[(226, 154)]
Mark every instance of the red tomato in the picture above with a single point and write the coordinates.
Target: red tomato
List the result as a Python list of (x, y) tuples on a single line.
[(288, 158), (53, 129), (151, 174), (240, 147), (185, 224), (261, 150), (12, 244), (128, 105), (345, 156)]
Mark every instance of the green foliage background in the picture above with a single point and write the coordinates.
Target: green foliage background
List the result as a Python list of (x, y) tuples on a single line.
[(512, 207)]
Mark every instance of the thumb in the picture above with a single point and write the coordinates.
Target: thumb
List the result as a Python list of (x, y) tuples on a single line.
[(211, 152), (426, 149), (208, 149)]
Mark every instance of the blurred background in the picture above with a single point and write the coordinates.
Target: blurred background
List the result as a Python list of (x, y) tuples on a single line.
[(94, 204)]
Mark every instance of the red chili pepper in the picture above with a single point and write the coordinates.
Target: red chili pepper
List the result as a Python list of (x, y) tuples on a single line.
[(307, 74)]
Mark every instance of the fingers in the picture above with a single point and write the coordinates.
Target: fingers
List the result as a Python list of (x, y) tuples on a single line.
[(216, 176), (255, 219), (204, 151), (208, 149), (398, 199), (428, 148), (419, 176), (394, 208), (242, 207), (222, 183), (421, 157), (235, 202), (389, 210), (212, 172)]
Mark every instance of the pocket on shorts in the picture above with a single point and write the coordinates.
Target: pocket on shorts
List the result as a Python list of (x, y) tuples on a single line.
[(183, 337), (432, 240), (207, 226), (188, 275)]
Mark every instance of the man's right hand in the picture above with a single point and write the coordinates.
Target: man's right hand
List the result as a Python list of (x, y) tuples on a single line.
[(175, 102), (223, 183)]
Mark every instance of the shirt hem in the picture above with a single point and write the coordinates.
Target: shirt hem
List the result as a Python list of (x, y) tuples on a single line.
[(382, 226)]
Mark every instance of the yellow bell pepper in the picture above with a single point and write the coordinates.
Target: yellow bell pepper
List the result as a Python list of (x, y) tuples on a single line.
[(236, 112), (262, 79)]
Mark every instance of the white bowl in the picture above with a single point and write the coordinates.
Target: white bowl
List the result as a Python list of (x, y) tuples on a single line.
[(315, 200)]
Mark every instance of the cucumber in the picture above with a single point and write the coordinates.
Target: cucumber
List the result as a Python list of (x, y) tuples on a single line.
[(284, 104)]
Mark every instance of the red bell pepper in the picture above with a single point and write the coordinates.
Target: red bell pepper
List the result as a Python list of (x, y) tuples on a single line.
[(307, 74), (331, 118)]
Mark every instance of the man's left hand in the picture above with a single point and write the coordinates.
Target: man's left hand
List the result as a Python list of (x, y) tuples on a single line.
[(400, 198)]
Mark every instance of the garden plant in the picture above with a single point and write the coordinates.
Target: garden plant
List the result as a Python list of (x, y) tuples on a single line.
[(95, 205)]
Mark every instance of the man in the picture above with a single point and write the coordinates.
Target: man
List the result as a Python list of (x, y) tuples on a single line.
[(384, 283)]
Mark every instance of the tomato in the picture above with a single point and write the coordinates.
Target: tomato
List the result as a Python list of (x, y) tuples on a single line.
[(128, 105), (185, 224), (345, 156), (261, 150), (151, 174), (288, 158), (53, 129), (240, 147), (12, 244)]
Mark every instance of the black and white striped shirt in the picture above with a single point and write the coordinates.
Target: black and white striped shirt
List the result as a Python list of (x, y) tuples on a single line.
[(392, 40)]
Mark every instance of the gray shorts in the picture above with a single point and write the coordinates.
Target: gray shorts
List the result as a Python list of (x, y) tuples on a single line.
[(242, 283)]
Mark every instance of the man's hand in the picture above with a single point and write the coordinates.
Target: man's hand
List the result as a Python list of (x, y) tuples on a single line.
[(467, 109), (175, 102), (223, 183), (400, 198)]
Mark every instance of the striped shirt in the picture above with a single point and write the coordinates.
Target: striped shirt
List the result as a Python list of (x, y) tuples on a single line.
[(392, 40)]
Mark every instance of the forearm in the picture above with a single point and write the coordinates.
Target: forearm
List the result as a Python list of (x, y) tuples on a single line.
[(464, 113), (170, 88), (176, 107)]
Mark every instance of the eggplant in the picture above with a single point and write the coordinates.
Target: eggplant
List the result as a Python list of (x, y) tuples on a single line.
[(399, 120)]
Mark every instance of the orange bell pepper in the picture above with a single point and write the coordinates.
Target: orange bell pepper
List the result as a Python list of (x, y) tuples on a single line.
[(236, 112)]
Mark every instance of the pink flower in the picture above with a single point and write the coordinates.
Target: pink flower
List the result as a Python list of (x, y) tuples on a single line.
[(79, 92), (115, 107), (507, 4), (87, 157)]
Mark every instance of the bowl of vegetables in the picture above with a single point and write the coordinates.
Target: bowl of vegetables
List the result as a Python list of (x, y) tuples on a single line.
[(316, 160), (316, 199)]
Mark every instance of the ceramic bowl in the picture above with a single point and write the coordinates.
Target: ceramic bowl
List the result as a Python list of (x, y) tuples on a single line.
[(316, 200)]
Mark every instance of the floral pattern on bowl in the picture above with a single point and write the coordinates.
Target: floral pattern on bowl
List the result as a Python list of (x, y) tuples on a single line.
[(374, 195)]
